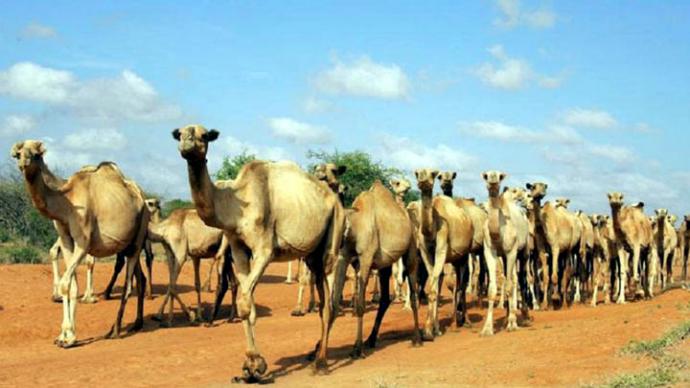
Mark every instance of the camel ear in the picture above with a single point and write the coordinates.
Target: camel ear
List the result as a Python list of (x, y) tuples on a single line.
[(211, 135), (440, 177), (529, 186), (176, 134), (502, 176), (608, 195), (40, 149), (546, 186), (434, 173), (393, 182), (341, 170), (505, 189), (416, 174), (454, 174), (485, 176), (567, 201), (16, 149)]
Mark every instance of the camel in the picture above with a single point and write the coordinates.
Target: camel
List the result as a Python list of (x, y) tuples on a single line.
[(184, 235), (98, 213), (603, 251), (528, 270), (446, 235), (684, 244), (506, 231), (554, 236), (155, 213), (400, 188), (272, 212), (379, 233), (478, 218), (666, 243), (633, 233), (585, 257)]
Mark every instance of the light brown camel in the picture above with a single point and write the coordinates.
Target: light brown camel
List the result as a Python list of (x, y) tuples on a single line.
[(478, 218), (603, 256), (506, 231), (554, 237), (379, 233), (666, 242), (185, 236), (98, 213), (633, 232), (400, 188), (273, 212), (585, 255), (684, 244), (446, 235)]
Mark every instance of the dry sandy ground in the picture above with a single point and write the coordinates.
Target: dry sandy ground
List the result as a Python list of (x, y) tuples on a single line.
[(561, 348)]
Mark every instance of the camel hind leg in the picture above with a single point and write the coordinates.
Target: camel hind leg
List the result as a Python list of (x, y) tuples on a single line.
[(361, 280), (384, 302), (89, 297), (490, 258)]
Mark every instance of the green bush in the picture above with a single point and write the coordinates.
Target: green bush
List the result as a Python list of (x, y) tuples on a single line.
[(20, 255), (5, 235)]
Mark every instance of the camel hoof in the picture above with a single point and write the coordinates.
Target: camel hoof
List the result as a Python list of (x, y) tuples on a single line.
[(487, 332), (297, 313), (89, 300), (138, 325), (357, 352), (312, 307), (376, 298), (56, 299), (254, 369), (157, 318), (289, 281), (321, 367), (427, 336)]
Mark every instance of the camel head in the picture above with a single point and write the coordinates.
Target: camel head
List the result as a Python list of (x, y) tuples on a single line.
[(595, 219), (400, 186), (29, 155), (329, 173), (493, 181), (425, 179), (562, 202), (516, 193), (660, 214), (537, 190), (616, 199), (446, 178), (194, 141), (153, 204), (672, 218)]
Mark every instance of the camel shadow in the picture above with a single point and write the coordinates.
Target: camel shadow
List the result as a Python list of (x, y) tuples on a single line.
[(273, 279), (157, 290), (339, 357)]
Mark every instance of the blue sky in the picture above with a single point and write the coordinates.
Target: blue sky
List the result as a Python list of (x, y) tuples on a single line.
[(589, 96)]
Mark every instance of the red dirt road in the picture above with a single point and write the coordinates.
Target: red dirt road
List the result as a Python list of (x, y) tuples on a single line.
[(561, 348)]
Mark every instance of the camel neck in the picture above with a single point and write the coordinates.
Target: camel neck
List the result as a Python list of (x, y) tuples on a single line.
[(427, 213), (615, 217), (494, 216), (203, 190), (45, 194), (156, 231), (400, 200), (448, 191)]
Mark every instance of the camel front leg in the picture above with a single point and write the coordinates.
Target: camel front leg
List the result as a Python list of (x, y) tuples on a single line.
[(199, 315), (652, 268), (622, 274), (54, 257), (88, 294), (544, 280), (432, 327), (512, 283), (206, 287), (68, 288), (598, 273), (490, 259), (636, 270), (288, 278)]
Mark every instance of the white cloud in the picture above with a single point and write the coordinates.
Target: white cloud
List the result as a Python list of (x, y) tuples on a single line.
[(298, 132), (26, 80), (125, 97), (38, 31), (407, 154), (316, 105), (496, 130), (512, 73), (96, 139), (364, 78), (512, 16), (235, 146), (589, 118), (16, 124), (616, 154)]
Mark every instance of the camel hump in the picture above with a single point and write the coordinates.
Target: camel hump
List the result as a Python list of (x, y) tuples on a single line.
[(88, 168)]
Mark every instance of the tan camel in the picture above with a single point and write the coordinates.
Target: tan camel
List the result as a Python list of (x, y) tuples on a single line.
[(446, 235), (400, 188), (684, 245), (633, 232), (379, 233), (505, 236), (555, 237), (184, 235), (98, 213), (585, 255), (666, 242), (604, 249), (273, 212), (478, 218)]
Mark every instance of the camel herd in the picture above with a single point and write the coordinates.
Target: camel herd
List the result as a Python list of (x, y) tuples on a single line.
[(548, 256)]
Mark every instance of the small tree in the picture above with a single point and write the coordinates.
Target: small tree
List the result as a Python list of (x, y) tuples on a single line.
[(231, 166), (361, 171)]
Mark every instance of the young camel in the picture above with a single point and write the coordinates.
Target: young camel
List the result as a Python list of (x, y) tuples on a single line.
[(184, 235), (379, 233), (554, 236), (684, 245), (666, 242), (446, 235), (633, 232), (505, 235), (272, 212), (400, 188), (98, 213)]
